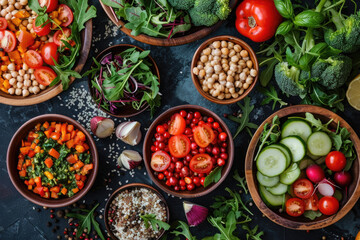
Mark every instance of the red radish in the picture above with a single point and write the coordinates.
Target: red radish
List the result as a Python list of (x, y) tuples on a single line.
[(315, 173), (326, 188), (343, 178), (102, 127), (195, 214)]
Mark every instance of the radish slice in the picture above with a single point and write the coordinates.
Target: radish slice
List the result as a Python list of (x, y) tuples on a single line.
[(102, 127), (195, 214), (326, 189)]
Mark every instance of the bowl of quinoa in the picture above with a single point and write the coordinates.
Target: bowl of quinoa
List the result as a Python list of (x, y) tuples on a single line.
[(127, 204)]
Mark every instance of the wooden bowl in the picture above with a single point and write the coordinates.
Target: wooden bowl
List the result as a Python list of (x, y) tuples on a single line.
[(12, 159), (196, 58), (302, 223), (127, 110), (163, 118), (195, 33), (130, 186), (50, 92)]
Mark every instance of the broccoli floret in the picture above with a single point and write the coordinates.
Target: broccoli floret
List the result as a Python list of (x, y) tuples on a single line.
[(202, 19), (346, 36), (182, 4), (333, 71), (204, 6), (288, 79), (222, 9), (208, 12)]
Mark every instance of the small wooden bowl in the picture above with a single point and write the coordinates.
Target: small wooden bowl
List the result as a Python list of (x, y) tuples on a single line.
[(195, 33), (50, 92), (302, 223), (163, 118), (196, 58), (127, 110), (12, 159), (129, 186)]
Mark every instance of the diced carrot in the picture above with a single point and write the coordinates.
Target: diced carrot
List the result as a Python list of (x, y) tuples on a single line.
[(37, 127), (47, 133), (20, 163), (25, 150), (60, 142), (52, 124), (54, 153), (31, 181), (83, 178), (46, 195), (55, 189), (75, 190), (55, 135), (64, 191), (33, 145), (49, 175), (70, 143), (57, 127), (80, 148), (27, 162), (38, 181), (45, 125), (26, 182), (48, 162), (35, 46), (71, 169), (77, 177), (70, 128), (86, 168), (63, 130), (66, 137), (36, 141), (71, 159), (86, 146), (31, 153), (27, 144), (30, 187), (73, 134), (54, 195), (78, 165), (37, 149), (80, 136), (80, 184), (22, 173), (22, 14)]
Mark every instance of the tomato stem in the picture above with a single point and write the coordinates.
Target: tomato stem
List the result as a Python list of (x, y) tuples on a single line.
[(252, 22)]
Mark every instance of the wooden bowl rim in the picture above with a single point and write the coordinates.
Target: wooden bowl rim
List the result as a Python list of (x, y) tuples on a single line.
[(53, 91), (154, 68), (21, 187), (147, 155), (127, 186), (249, 163), (203, 32), (196, 57)]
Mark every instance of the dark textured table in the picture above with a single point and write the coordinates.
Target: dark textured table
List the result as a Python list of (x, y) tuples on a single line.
[(19, 218)]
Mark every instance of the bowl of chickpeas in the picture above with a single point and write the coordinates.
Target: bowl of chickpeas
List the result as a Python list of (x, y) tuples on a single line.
[(224, 69)]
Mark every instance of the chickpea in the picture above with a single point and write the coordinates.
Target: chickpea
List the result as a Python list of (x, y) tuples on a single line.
[(233, 67), (237, 48), (19, 85), (230, 79), (223, 83), (11, 91), (42, 87), (217, 58), (24, 2), (224, 61), (230, 45), (209, 70), (221, 88), (242, 76), (11, 67), (222, 76), (217, 68), (226, 90), (230, 73), (249, 80), (246, 58), (202, 73), (21, 72), (237, 77), (196, 71), (224, 44), (234, 59), (242, 90), (12, 81), (25, 92), (200, 67), (245, 85), (215, 77), (244, 53), (235, 95), (249, 63), (239, 69), (27, 83), (11, 2), (7, 76), (238, 84), (210, 86), (217, 52), (211, 91), (227, 95), (3, 14), (35, 83), (214, 62), (225, 51), (229, 84), (18, 91), (205, 88), (17, 5), (204, 58), (20, 78), (10, 8), (232, 53), (216, 44), (31, 89), (211, 57), (242, 63), (3, 2), (30, 70), (225, 67), (221, 96), (246, 71), (215, 93), (13, 12), (253, 73), (207, 51), (14, 74), (232, 90), (29, 27)]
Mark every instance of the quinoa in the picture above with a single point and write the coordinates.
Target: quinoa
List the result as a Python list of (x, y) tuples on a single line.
[(125, 210)]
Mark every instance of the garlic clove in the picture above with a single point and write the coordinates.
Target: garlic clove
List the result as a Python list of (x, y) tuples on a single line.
[(129, 159), (195, 214), (129, 132)]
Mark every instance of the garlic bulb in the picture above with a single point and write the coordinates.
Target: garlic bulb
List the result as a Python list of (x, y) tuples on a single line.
[(129, 132)]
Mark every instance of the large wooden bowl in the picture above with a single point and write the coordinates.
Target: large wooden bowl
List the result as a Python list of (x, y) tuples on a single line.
[(302, 223), (12, 160), (195, 33), (163, 118), (196, 58), (50, 92)]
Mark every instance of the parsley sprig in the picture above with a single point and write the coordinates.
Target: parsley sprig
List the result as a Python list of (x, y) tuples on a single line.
[(156, 224)]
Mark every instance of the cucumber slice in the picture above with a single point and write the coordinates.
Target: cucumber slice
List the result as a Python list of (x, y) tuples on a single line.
[(285, 150), (297, 147), (267, 181), (290, 175), (313, 157), (305, 163), (278, 189), (319, 144), (270, 199), (271, 162), (296, 127)]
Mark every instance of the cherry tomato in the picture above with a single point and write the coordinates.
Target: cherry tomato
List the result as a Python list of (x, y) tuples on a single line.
[(173, 181), (160, 129), (190, 186), (295, 207), (66, 16), (49, 52), (224, 156), (42, 30), (312, 203), (222, 137), (59, 36), (179, 146), (51, 5), (220, 162), (3, 23), (177, 124), (44, 75), (8, 40), (197, 115), (328, 205), (196, 181), (201, 163), (160, 161), (203, 135), (161, 176), (183, 113), (303, 188), (33, 59), (166, 135), (216, 125), (335, 161), (202, 181)]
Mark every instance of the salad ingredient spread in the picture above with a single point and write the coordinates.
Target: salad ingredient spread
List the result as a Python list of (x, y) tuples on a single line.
[(54, 160)]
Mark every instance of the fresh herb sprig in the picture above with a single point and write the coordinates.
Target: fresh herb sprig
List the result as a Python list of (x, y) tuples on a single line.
[(213, 177), (271, 95), (156, 224)]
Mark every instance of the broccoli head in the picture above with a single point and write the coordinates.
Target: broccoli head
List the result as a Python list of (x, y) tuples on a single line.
[(288, 79), (333, 71), (182, 4), (208, 12), (222, 9), (346, 36), (202, 19)]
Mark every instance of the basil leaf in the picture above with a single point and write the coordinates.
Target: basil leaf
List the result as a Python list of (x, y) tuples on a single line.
[(285, 8), (312, 214), (284, 28), (213, 177), (309, 18)]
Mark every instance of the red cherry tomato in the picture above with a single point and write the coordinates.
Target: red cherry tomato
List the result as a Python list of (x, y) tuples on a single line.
[(222, 136), (203, 135), (44, 75), (177, 124), (202, 181), (295, 207), (183, 113), (49, 52), (3, 23), (328, 205), (221, 162), (201, 163), (59, 36), (51, 5), (303, 188), (335, 161), (160, 129), (312, 203), (179, 146), (33, 59), (66, 16), (161, 176), (160, 161), (42, 30), (190, 186), (8, 40)]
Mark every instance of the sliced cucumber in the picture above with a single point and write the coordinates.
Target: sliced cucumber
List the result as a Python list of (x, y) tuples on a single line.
[(271, 162), (270, 199), (305, 163), (285, 150), (297, 147), (296, 127), (290, 175), (267, 181), (278, 189), (313, 157), (319, 144)]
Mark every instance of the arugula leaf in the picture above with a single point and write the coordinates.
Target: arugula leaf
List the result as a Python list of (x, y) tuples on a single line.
[(82, 12), (213, 177), (63, 76), (241, 180), (155, 223), (252, 233), (271, 95), (227, 231), (312, 214), (182, 229)]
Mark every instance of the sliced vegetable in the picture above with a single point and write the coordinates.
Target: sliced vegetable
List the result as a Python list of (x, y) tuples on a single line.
[(44, 75), (297, 147), (319, 144), (267, 181), (160, 161), (195, 214), (33, 59), (271, 162), (295, 207)]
